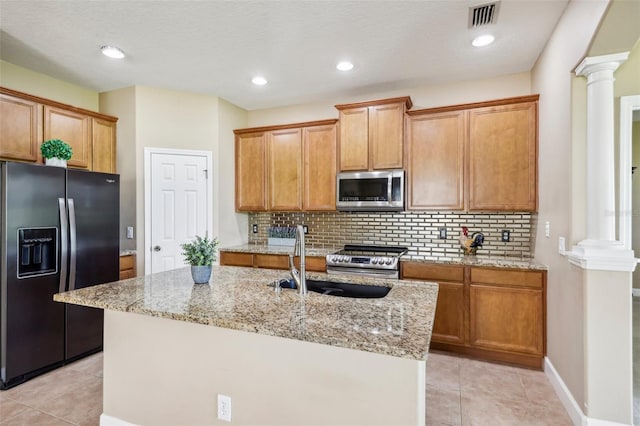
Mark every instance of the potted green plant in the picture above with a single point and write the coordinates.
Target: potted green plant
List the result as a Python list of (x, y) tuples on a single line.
[(56, 152), (200, 254)]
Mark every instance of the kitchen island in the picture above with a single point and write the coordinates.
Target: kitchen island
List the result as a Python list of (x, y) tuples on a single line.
[(171, 347)]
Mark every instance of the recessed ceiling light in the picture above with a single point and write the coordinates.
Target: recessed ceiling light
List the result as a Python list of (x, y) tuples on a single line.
[(483, 40), (259, 81), (344, 66), (112, 52)]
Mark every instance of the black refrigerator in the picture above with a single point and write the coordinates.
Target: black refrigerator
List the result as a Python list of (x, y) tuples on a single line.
[(59, 232)]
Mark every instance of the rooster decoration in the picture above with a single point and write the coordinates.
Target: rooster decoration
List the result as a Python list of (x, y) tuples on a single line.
[(470, 244)]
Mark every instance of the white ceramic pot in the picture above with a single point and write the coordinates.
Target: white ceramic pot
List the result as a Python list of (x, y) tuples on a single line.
[(56, 162)]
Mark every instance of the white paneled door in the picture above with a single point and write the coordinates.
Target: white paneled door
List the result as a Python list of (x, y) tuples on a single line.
[(179, 206)]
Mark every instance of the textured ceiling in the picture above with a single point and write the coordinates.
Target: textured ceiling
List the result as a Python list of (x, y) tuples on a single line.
[(216, 47)]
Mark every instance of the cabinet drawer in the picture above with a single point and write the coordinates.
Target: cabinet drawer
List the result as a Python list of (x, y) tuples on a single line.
[(312, 263), (127, 262), (236, 259), (431, 272), (512, 278), (129, 273), (271, 261)]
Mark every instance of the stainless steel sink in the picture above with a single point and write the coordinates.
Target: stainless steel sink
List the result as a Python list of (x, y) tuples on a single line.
[(340, 289)]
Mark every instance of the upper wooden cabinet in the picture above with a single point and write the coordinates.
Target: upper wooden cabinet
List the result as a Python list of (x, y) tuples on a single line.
[(319, 168), (73, 128), (20, 128), (103, 145), (435, 161), (479, 156), (251, 171), (503, 157), (372, 134), (286, 168), (26, 121)]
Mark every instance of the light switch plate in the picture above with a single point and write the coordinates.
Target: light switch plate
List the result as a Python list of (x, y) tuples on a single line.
[(130, 232), (561, 245)]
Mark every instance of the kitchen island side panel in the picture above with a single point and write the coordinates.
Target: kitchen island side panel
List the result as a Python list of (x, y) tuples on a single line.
[(164, 372)]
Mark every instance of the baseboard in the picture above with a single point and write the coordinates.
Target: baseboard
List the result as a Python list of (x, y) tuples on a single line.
[(573, 409), (636, 292), (566, 398), (113, 421)]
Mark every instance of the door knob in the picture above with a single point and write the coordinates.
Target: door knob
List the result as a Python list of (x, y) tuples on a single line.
[(157, 248)]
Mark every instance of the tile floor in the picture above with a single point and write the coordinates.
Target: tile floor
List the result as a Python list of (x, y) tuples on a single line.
[(459, 392)]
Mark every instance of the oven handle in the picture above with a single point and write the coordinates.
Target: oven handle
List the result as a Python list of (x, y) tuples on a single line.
[(342, 270)]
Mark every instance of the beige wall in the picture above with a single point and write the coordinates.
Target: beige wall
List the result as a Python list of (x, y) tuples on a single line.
[(37, 84), (232, 226), (159, 371), (552, 78), (121, 103), (423, 97)]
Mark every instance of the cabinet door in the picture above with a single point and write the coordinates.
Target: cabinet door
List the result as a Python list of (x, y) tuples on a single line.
[(251, 172), (74, 129), (319, 168), (503, 157), (506, 319), (20, 128), (285, 170), (354, 139), (435, 161), (386, 136), (448, 325), (104, 145)]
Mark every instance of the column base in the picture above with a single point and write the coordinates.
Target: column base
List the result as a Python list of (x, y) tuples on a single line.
[(603, 256)]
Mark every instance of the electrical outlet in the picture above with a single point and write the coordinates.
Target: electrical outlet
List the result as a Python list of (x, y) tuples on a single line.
[(547, 229), (442, 233), (506, 235), (306, 229), (255, 228), (224, 407), (130, 232)]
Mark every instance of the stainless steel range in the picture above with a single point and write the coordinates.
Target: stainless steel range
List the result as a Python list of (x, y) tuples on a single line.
[(371, 261)]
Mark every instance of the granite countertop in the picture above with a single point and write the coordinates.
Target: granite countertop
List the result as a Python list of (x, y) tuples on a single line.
[(489, 261), (267, 249), (127, 252), (478, 260), (399, 324)]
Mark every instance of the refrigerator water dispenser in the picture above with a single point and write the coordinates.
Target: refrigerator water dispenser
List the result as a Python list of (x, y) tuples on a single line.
[(37, 251)]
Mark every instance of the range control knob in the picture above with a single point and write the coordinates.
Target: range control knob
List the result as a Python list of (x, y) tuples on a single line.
[(389, 261)]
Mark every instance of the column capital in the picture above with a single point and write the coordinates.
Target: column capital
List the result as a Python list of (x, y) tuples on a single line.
[(603, 256), (593, 64)]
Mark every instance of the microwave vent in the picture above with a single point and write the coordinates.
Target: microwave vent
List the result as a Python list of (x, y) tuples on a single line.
[(482, 15)]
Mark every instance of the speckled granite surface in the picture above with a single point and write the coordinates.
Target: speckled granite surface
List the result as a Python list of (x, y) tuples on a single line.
[(266, 249), (478, 260), (496, 261), (127, 252), (399, 324)]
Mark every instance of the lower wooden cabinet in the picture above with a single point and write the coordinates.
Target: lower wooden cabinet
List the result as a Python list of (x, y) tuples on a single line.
[(488, 313), (127, 266), (271, 261)]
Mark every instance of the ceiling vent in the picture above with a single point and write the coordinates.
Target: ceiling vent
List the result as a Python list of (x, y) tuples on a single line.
[(482, 15)]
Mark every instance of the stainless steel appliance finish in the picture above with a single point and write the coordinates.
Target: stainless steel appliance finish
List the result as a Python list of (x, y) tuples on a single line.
[(366, 260), (59, 231), (381, 190)]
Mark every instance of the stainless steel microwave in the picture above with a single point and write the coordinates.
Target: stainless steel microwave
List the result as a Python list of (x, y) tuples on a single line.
[(370, 191)]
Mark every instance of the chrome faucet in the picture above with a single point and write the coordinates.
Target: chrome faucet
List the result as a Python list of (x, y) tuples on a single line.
[(300, 277)]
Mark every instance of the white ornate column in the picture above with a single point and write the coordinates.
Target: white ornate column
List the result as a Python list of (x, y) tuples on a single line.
[(600, 250), (607, 263)]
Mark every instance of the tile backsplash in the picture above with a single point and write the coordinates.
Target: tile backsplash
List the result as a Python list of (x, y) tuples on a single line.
[(416, 230)]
